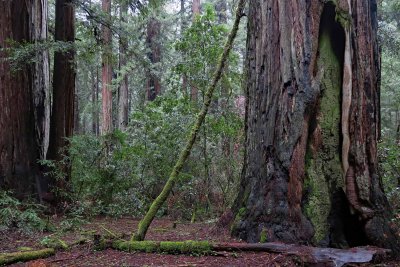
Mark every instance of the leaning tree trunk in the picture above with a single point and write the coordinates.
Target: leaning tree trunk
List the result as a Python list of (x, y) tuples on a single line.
[(23, 98), (62, 119), (310, 171)]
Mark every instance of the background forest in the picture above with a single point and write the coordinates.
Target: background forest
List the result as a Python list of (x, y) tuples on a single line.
[(141, 70)]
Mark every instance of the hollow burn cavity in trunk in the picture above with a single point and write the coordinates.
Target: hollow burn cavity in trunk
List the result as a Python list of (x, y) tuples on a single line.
[(324, 200)]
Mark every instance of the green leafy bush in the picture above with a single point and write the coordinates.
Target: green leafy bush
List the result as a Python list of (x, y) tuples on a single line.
[(23, 216)]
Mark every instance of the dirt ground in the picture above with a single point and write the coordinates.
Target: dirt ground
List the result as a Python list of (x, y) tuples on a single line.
[(161, 230)]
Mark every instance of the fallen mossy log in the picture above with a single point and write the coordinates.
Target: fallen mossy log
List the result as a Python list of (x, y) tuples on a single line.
[(312, 255), (171, 247), (23, 256)]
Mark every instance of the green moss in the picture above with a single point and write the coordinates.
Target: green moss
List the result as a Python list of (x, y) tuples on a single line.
[(179, 247), (263, 236), (25, 249), (23, 256), (186, 247), (323, 164), (343, 18), (238, 218)]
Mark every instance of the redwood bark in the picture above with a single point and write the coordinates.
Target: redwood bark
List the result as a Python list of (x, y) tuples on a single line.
[(95, 101), (41, 75), (23, 98), (106, 125), (62, 119), (123, 88), (153, 84), (310, 171)]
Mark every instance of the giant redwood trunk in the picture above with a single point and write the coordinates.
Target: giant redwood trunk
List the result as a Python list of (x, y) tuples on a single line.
[(62, 119), (23, 98), (310, 171)]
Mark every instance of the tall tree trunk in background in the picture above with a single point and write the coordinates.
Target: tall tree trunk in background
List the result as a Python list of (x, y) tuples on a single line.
[(106, 125), (94, 101), (183, 29), (311, 169), (123, 88), (41, 76), (221, 7), (62, 117), (194, 92), (23, 98), (77, 124), (153, 85)]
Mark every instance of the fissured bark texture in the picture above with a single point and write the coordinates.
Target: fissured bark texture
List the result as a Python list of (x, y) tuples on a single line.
[(107, 72), (312, 124), (62, 119), (24, 116)]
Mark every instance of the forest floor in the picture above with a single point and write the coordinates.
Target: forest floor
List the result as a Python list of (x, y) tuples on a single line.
[(160, 230)]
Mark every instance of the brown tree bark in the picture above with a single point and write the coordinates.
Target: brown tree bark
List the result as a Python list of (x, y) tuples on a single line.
[(106, 125), (310, 172), (123, 88), (95, 101), (41, 75), (23, 98), (153, 84), (62, 119)]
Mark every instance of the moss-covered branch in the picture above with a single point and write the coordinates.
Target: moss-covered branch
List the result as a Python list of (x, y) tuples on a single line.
[(180, 247), (159, 201), (22, 256)]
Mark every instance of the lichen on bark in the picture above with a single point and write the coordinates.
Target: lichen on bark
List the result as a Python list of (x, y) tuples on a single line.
[(323, 164)]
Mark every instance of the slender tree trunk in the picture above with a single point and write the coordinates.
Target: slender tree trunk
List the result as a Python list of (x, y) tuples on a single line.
[(94, 101), (77, 122), (97, 102), (194, 92), (159, 201), (123, 89), (23, 99), (183, 29), (310, 170), (106, 125), (222, 8), (153, 84)]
